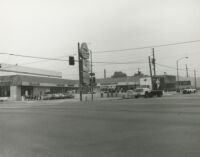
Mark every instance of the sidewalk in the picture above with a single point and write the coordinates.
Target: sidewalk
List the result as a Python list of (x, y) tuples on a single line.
[(105, 98), (21, 104), (170, 93)]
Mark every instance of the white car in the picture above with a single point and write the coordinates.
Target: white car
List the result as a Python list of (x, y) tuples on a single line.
[(189, 90)]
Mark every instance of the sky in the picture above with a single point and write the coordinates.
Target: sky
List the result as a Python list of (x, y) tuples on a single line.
[(52, 28)]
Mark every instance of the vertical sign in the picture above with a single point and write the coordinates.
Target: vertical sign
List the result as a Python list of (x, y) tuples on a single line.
[(84, 54)]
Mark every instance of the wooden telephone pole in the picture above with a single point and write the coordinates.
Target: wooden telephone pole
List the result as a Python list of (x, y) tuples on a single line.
[(154, 63), (150, 71)]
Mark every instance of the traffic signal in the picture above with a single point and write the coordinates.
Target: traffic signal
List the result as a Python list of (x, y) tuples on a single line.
[(71, 60), (92, 81)]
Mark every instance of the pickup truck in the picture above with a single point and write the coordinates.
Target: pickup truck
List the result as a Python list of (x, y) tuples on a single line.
[(147, 92)]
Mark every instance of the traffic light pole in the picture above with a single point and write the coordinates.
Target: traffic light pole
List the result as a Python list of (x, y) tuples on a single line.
[(80, 73), (91, 75)]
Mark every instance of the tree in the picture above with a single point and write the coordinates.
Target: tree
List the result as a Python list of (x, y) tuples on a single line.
[(118, 74), (140, 74)]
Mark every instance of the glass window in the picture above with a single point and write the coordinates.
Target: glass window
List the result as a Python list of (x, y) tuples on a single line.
[(4, 91)]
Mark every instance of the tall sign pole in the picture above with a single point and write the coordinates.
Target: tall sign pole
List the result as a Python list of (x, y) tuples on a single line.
[(80, 72), (84, 68)]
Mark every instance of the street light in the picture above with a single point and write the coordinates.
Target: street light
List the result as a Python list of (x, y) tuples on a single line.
[(177, 70)]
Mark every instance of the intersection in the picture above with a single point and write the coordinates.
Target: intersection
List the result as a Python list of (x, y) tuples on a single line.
[(167, 127)]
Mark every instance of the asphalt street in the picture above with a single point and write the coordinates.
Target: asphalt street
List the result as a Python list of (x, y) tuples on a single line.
[(154, 127)]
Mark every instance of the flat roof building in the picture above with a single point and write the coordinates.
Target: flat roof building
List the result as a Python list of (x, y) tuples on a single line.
[(16, 86)]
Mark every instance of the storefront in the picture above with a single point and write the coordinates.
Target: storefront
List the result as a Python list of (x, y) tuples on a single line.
[(16, 87), (118, 84)]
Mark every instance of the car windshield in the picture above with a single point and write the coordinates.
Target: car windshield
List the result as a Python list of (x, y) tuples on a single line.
[(139, 90)]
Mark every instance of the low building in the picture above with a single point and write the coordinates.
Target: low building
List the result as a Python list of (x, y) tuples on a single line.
[(15, 87), (168, 83), (183, 84), (118, 84)]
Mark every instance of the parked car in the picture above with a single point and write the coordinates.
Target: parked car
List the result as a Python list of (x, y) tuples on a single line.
[(47, 96), (189, 91), (68, 95), (129, 94)]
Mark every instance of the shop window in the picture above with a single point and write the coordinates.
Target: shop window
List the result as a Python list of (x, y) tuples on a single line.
[(4, 91), (27, 91)]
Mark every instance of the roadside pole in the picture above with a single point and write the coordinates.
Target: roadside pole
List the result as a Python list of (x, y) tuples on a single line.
[(186, 71), (154, 62), (91, 75), (80, 72), (150, 72), (195, 80)]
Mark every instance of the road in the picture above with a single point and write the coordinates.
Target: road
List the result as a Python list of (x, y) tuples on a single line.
[(155, 127)]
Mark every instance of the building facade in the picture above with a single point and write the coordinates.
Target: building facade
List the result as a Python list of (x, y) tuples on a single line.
[(167, 82), (15, 87)]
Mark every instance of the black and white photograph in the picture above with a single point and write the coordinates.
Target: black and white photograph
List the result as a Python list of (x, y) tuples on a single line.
[(99, 78)]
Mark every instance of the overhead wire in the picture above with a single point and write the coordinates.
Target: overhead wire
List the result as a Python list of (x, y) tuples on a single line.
[(105, 51), (147, 47)]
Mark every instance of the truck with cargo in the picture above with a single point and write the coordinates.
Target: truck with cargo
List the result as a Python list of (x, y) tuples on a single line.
[(150, 87)]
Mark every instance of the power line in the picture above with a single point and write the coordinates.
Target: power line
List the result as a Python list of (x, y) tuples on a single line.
[(147, 47), (170, 67), (57, 59), (43, 59), (114, 63), (27, 56)]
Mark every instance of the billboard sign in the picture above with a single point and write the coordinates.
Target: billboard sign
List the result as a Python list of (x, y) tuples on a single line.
[(86, 65), (86, 78), (84, 51), (158, 83)]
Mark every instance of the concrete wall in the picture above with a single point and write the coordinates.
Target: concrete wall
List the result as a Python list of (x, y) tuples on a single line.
[(15, 93)]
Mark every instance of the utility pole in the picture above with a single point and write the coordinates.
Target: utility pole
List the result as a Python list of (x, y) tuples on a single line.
[(195, 79), (91, 75), (80, 73), (154, 62), (150, 72), (186, 71), (138, 71), (177, 75), (104, 73)]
